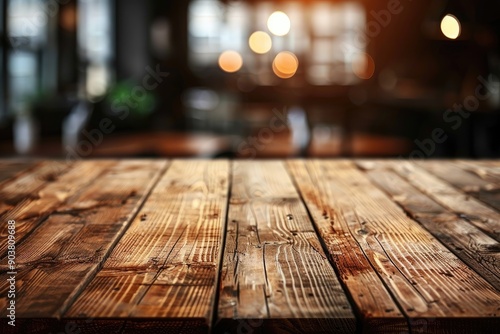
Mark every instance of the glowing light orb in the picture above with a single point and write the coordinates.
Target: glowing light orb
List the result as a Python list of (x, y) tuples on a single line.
[(260, 42), (230, 61), (285, 64), (363, 66), (278, 23), (450, 26)]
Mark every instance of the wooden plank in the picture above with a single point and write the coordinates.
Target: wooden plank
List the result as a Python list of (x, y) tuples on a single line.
[(165, 266), (261, 185), (11, 169), (57, 260), (373, 301), (467, 242), (467, 179), (482, 216), (275, 276), (488, 170), (429, 283), (23, 189), (34, 202)]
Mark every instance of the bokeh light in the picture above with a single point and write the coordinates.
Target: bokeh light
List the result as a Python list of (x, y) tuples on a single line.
[(450, 26), (260, 42), (278, 23), (285, 64), (388, 79), (230, 61), (363, 66)]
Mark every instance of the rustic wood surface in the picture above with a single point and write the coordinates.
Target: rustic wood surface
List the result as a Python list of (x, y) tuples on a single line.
[(165, 266), (299, 246), (274, 266)]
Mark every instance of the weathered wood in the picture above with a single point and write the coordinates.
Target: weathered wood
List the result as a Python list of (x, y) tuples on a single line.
[(165, 266), (372, 299), (467, 179), (467, 207), (60, 257), (159, 236), (471, 245), (24, 186), (37, 195), (9, 170), (261, 184), (428, 282), (275, 276), (20, 191), (488, 170)]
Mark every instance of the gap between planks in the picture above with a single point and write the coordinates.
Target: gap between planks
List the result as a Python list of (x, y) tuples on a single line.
[(275, 275), (423, 276), (165, 265), (465, 240), (72, 244)]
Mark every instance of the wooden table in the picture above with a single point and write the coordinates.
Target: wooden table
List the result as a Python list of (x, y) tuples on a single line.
[(299, 246)]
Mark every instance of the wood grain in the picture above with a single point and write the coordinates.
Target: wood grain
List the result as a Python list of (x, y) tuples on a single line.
[(372, 299), (481, 215), (275, 276), (20, 188), (59, 258), (19, 193), (145, 246), (479, 251), (428, 282), (37, 195), (475, 181), (9, 170), (488, 170), (165, 266)]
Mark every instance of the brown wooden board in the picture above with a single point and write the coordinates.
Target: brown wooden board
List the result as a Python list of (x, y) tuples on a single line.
[(28, 198), (10, 169), (302, 246), (474, 181), (378, 311), (275, 276), (60, 257), (165, 267), (479, 251), (488, 170), (432, 287), (39, 202), (467, 207)]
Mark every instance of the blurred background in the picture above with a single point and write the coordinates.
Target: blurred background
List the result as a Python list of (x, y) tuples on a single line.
[(249, 78)]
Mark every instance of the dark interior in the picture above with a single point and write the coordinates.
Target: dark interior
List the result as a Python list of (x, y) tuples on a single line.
[(125, 78)]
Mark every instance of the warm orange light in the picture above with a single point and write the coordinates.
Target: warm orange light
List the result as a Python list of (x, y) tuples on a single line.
[(230, 61), (281, 74), (363, 66), (285, 64), (278, 23), (260, 42), (68, 18), (450, 26)]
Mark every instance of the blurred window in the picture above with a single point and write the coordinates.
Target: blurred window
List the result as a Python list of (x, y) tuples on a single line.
[(335, 43), (323, 35), (23, 78), (95, 23), (27, 22), (28, 49), (27, 31)]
